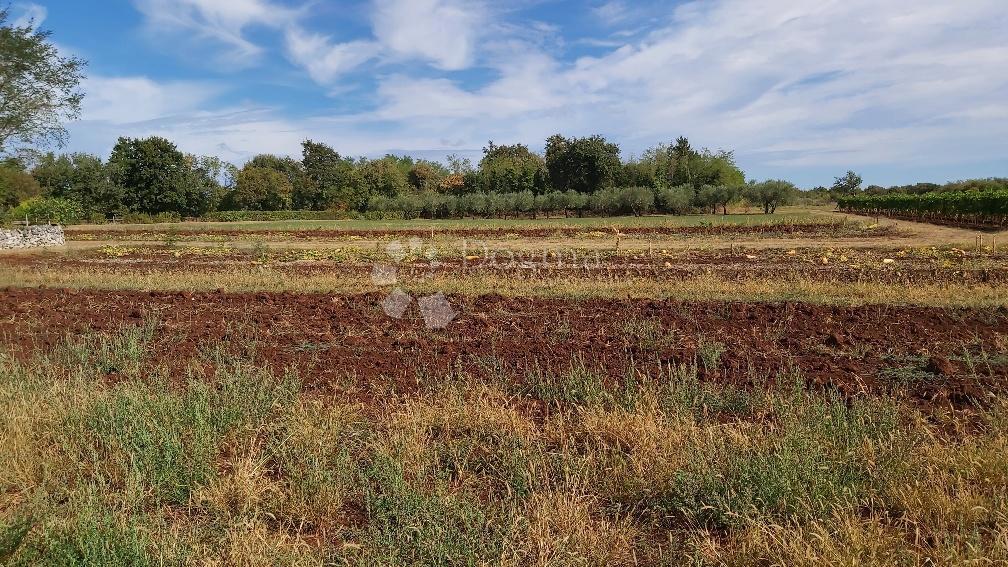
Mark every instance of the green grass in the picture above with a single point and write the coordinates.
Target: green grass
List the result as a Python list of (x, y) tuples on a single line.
[(424, 224), (232, 464)]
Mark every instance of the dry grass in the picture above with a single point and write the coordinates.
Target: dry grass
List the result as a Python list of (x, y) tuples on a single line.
[(788, 287), (239, 466)]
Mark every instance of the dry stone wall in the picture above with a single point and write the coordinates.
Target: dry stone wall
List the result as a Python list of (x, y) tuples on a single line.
[(32, 236)]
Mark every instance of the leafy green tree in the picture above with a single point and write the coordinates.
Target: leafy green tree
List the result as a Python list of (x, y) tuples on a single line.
[(680, 157), (646, 171), (16, 186), (716, 168), (426, 175), (511, 169), (770, 194), (582, 164), (304, 193), (638, 201), (725, 195), (156, 177), (261, 189), (707, 197), (332, 177), (849, 184), (459, 165), (49, 209), (39, 89), (381, 177), (82, 178), (675, 200)]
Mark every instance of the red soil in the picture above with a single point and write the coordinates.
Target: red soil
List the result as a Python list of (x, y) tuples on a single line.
[(857, 350)]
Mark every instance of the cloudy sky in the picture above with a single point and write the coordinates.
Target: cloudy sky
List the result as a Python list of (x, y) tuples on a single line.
[(899, 90)]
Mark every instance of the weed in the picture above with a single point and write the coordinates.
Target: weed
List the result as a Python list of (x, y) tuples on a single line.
[(709, 353)]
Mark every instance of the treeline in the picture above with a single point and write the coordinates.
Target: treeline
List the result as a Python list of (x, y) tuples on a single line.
[(150, 178), (640, 200)]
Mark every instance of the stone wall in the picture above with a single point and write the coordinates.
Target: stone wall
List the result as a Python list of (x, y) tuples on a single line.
[(32, 236)]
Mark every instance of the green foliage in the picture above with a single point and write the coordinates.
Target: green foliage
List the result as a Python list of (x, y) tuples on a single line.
[(770, 194), (414, 525), (584, 165), (39, 89), (639, 201), (331, 178), (258, 188), (83, 178), (156, 177), (237, 216), (16, 186), (849, 184), (48, 209), (94, 538), (675, 200), (381, 177), (961, 206), (511, 169), (698, 168), (578, 385)]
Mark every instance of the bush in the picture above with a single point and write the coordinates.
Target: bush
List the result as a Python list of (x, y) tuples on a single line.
[(144, 218), (674, 200), (48, 209), (637, 200)]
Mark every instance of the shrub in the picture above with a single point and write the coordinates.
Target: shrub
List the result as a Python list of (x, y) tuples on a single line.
[(144, 218), (674, 200), (48, 209), (236, 216), (637, 200)]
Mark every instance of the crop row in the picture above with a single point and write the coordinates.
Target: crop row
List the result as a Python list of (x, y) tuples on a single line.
[(987, 208)]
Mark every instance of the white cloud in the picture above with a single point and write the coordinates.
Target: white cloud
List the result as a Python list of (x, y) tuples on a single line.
[(322, 58), (124, 100), (611, 12), (443, 32), (788, 84), (224, 22), (29, 14), (785, 83)]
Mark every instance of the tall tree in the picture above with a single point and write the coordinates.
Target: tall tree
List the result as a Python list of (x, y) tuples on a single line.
[(15, 185), (582, 164), (260, 189), (39, 89), (81, 178), (156, 177), (848, 184), (332, 177), (304, 193), (680, 157), (511, 169)]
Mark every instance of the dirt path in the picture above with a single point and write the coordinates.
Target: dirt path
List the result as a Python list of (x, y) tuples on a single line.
[(923, 233)]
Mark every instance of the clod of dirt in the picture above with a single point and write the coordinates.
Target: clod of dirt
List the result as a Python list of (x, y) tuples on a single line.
[(940, 365), (836, 340)]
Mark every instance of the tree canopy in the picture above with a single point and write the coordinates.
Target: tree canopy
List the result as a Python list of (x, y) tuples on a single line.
[(39, 88)]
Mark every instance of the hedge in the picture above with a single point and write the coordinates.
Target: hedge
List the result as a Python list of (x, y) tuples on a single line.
[(966, 207)]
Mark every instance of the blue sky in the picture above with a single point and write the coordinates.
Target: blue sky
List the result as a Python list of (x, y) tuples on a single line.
[(900, 91)]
